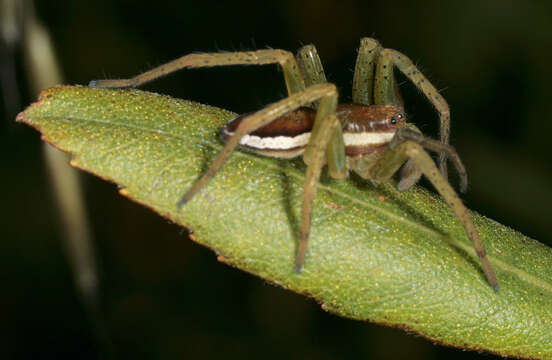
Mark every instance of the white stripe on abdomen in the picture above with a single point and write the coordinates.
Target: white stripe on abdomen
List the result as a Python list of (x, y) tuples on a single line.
[(276, 142), (367, 138), (292, 142)]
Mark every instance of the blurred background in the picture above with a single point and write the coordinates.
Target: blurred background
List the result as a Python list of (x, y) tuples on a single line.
[(162, 296)]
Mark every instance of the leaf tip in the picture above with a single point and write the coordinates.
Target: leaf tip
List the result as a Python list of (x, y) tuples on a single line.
[(44, 94)]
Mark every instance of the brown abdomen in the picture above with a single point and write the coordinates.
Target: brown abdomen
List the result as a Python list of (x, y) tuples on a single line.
[(291, 124)]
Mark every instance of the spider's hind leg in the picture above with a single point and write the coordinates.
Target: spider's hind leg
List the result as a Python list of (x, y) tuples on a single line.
[(326, 129), (292, 73), (257, 120)]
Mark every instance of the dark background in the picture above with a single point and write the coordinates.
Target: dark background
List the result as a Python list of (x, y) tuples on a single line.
[(163, 296)]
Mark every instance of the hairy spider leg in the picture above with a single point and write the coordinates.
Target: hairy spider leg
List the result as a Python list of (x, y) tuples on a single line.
[(326, 142), (385, 90), (399, 151), (313, 73), (325, 146), (410, 173), (412, 133), (363, 93), (323, 93), (310, 65), (363, 78), (329, 130), (321, 135), (292, 73)]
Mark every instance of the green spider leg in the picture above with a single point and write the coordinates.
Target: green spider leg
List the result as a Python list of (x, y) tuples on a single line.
[(326, 145), (363, 78), (374, 83), (310, 65), (292, 73), (326, 123), (363, 93), (313, 73), (321, 93), (411, 174), (409, 145)]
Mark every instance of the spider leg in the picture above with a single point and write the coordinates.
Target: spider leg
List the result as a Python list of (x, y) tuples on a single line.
[(310, 65), (313, 73), (325, 145), (410, 173), (363, 78), (434, 145), (322, 133), (326, 92), (311, 68), (292, 74), (401, 150), (385, 93)]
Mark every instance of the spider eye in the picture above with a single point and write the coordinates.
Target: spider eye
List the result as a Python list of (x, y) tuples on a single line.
[(396, 118)]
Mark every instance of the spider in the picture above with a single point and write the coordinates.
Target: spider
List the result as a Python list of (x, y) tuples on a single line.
[(370, 136)]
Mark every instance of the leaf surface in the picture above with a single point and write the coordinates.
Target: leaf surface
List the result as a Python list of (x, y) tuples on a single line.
[(375, 254)]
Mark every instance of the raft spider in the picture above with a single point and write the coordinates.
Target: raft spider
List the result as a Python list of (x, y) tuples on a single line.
[(370, 136)]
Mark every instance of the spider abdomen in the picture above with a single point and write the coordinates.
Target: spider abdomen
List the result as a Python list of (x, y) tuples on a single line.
[(366, 128), (285, 137)]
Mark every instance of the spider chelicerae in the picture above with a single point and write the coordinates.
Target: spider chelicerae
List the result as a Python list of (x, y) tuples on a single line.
[(369, 136)]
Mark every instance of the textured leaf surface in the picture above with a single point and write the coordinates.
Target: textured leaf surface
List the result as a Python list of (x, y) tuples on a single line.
[(375, 254)]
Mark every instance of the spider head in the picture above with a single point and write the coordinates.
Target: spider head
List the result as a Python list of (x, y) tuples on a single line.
[(371, 118), (387, 118)]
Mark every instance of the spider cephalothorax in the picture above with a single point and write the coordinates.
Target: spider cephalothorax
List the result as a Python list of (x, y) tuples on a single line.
[(370, 136)]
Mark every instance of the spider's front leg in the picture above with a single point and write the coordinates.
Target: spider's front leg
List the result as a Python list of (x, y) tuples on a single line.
[(410, 173), (408, 146), (385, 91)]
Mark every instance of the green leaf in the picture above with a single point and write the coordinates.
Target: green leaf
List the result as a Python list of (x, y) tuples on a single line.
[(375, 254)]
